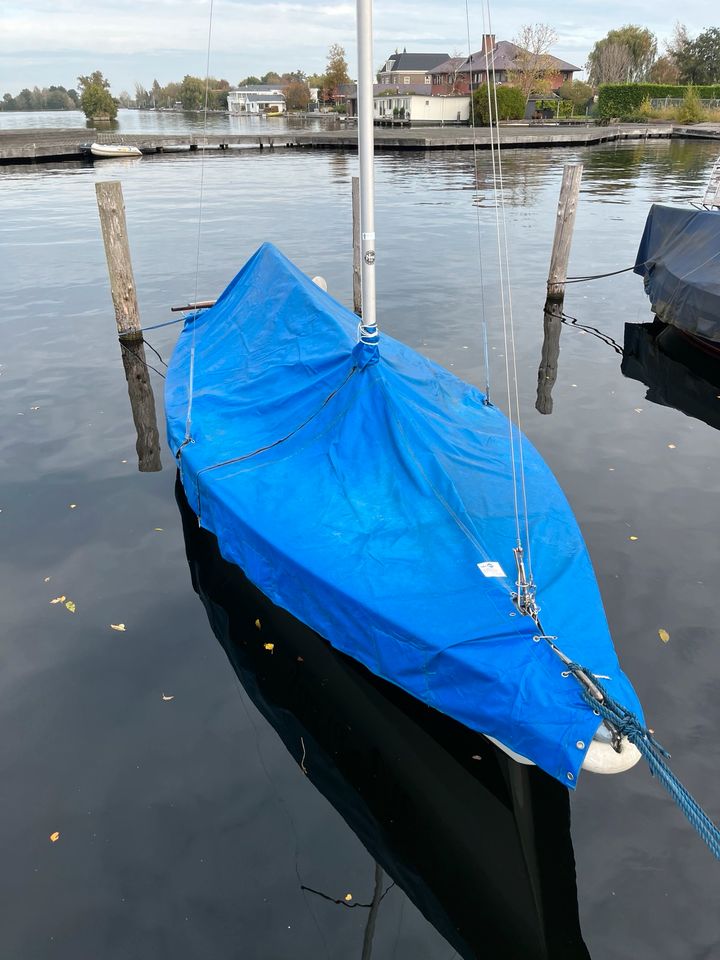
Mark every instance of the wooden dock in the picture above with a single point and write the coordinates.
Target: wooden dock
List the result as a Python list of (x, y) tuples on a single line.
[(36, 146), (698, 131)]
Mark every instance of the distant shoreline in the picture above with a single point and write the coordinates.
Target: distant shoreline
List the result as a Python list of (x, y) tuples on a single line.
[(35, 145)]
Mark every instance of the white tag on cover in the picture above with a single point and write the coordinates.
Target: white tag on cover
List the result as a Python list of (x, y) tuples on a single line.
[(491, 569)]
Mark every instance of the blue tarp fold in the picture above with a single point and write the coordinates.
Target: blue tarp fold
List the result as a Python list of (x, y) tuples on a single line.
[(361, 496)]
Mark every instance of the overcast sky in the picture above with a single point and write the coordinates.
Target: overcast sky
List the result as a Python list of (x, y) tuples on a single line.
[(52, 41)]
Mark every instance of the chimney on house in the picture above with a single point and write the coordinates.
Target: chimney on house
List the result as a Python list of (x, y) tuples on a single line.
[(488, 42)]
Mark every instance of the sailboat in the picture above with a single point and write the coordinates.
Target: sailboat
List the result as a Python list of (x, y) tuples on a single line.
[(394, 510)]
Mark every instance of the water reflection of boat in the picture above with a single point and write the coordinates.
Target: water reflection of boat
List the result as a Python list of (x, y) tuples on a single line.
[(678, 370), (479, 843)]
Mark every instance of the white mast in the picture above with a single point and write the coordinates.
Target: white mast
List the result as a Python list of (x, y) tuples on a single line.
[(366, 149)]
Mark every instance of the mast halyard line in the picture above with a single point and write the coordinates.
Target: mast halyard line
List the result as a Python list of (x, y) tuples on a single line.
[(366, 154), (484, 321)]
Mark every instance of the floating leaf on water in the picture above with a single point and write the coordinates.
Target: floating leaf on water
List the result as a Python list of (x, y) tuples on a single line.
[(671, 446), (269, 646), (118, 626), (165, 696), (632, 538), (258, 624), (348, 896), (59, 599), (664, 635), (54, 837), (72, 506), (70, 606), (158, 529), (476, 756), (638, 409)]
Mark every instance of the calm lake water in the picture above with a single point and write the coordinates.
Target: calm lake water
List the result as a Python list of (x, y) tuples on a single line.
[(186, 828), (163, 121)]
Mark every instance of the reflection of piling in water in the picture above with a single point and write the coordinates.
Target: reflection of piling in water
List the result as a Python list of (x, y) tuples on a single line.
[(142, 404), (111, 208), (372, 915), (547, 372)]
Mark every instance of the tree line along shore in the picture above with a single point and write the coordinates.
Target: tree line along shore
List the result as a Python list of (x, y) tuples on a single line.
[(628, 79)]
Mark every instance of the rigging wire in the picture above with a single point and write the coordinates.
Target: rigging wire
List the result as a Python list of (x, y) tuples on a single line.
[(188, 421), (486, 353), (510, 316), (495, 149)]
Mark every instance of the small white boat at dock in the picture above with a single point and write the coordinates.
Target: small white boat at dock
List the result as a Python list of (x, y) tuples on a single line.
[(114, 150)]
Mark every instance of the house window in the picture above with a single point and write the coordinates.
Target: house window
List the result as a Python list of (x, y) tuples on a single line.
[(406, 79)]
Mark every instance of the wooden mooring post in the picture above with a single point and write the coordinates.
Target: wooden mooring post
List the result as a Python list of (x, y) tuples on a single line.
[(127, 319), (111, 208), (357, 288), (564, 224)]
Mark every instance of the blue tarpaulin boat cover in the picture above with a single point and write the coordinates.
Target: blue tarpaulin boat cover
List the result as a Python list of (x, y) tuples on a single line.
[(679, 260), (359, 488)]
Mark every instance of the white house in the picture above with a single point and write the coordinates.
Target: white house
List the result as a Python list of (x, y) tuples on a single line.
[(422, 109), (263, 98)]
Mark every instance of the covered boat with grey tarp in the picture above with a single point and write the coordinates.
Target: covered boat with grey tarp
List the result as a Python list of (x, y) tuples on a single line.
[(679, 261)]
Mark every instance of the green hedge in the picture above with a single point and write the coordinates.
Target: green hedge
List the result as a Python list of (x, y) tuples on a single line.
[(624, 99), (560, 108), (510, 104)]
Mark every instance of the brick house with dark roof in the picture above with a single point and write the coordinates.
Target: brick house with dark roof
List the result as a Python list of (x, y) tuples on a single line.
[(401, 69), (500, 58)]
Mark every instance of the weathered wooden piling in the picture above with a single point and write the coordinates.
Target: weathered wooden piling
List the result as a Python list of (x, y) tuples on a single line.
[(117, 251), (564, 224), (127, 318), (357, 288), (547, 372)]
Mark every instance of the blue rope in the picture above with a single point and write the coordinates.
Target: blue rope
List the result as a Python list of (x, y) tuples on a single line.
[(156, 326), (627, 725)]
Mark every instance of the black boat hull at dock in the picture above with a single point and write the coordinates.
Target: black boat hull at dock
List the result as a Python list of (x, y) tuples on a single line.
[(479, 843), (679, 261)]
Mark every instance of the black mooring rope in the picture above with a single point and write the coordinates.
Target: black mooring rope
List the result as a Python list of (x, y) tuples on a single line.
[(599, 276)]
